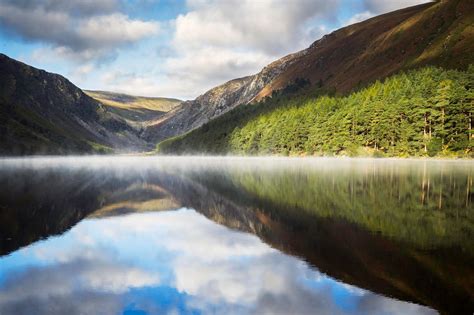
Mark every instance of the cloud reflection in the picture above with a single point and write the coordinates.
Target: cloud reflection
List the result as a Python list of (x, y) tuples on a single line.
[(172, 262)]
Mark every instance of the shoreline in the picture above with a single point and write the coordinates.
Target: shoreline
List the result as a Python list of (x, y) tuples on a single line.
[(233, 157)]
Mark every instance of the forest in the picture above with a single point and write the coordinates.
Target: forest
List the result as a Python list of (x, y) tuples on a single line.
[(422, 112)]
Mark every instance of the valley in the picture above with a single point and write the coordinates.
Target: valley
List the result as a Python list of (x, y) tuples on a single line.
[(353, 92)]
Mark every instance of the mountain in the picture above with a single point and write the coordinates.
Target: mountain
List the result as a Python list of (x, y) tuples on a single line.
[(439, 33), (422, 112), (44, 113), (217, 101), (137, 111)]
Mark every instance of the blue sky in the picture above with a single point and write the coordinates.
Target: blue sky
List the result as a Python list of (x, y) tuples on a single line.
[(173, 48)]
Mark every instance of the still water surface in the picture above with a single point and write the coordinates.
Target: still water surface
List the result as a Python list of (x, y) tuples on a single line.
[(156, 235)]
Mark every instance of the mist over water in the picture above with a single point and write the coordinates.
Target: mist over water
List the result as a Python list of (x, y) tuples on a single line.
[(235, 235), (134, 165)]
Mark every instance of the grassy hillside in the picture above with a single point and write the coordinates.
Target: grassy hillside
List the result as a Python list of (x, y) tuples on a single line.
[(137, 110), (425, 112)]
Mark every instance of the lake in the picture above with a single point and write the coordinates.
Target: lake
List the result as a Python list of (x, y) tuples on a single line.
[(209, 235)]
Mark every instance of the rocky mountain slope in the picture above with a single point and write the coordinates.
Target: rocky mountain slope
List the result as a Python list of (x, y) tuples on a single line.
[(439, 33), (44, 113), (215, 102)]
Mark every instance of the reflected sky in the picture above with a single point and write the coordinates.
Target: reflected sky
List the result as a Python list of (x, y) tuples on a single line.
[(172, 262)]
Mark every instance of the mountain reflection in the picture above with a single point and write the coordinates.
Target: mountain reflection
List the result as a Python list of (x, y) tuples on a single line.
[(401, 229)]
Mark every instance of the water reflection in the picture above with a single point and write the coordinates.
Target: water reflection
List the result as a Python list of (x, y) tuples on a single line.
[(400, 229), (172, 262)]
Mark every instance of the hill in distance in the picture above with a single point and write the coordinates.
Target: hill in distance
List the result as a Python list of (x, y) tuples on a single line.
[(138, 111), (438, 33)]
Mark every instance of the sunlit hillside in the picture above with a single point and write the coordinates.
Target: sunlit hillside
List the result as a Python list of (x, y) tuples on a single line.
[(138, 111)]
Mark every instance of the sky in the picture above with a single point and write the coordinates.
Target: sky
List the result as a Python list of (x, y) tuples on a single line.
[(169, 48)]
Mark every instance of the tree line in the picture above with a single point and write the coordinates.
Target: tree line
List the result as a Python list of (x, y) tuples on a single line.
[(423, 112)]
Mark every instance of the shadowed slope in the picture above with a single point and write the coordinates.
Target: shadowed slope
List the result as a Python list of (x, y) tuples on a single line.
[(44, 113)]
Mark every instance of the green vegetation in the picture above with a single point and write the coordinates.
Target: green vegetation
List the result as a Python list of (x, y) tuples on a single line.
[(424, 112), (101, 149)]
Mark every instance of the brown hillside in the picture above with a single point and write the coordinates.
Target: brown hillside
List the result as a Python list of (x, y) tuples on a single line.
[(434, 33)]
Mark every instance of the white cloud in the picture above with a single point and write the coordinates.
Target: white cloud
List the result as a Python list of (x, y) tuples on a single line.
[(114, 29), (204, 62), (221, 40), (359, 17), (80, 30), (379, 7), (145, 83), (82, 71), (270, 26)]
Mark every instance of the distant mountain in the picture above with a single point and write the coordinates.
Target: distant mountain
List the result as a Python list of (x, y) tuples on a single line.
[(438, 33), (44, 113), (138, 111)]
